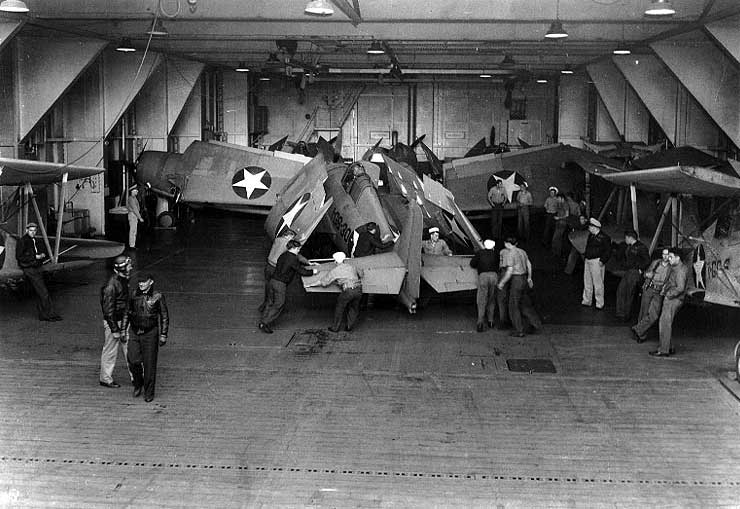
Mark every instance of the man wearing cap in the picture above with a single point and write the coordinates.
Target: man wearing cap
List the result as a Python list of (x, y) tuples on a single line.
[(279, 246), (114, 303), (149, 322), (598, 251), (288, 265), (524, 203), (518, 275), (636, 260), (551, 208), (348, 302), (30, 256), (497, 198), (134, 216), (435, 245), (486, 262)]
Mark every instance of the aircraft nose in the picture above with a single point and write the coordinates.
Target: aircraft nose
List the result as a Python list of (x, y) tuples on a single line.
[(153, 168)]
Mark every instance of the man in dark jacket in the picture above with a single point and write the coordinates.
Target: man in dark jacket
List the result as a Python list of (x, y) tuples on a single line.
[(636, 260), (30, 256), (287, 267), (486, 262), (598, 250), (114, 303), (368, 242), (674, 294), (149, 322)]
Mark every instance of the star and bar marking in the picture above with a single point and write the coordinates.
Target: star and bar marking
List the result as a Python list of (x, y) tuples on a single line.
[(251, 182)]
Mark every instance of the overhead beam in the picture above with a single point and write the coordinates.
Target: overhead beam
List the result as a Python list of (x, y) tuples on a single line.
[(624, 106), (726, 33), (710, 76), (124, 74), (47, 67), (351, 11), (680, 117)]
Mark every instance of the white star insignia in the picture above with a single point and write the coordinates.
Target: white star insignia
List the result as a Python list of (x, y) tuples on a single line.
[(291, 214), (509, 185), (251, 182)]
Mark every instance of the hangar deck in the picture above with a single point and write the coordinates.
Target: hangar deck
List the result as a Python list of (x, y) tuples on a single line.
[(406, 411)]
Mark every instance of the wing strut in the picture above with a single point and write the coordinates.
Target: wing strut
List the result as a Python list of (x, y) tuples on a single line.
[(60, 217), (29, 192)]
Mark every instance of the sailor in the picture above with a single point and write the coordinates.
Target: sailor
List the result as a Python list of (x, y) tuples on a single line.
[(149, 322), (368, 241), (524, 204), (30, 256), (435, 245), (486, 262), (598, 251), (636, 260), (574, 256), (518, 274), (497, 199), (652, 301), (286, 268), (348, 302), (278, 248), (561, 225), (134, 216), (551, 208), (674, 293), (114, 303)]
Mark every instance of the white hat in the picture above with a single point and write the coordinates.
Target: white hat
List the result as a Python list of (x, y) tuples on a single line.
[(594, 222), (489, 244), (553, 188), (433, 229), (339, 256)]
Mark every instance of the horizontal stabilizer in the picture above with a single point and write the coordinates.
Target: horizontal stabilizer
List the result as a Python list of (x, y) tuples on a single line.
[(449, 273), (382, 274)]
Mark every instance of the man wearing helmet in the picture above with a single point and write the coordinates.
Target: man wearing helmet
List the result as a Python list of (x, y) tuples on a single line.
[(114, 303)]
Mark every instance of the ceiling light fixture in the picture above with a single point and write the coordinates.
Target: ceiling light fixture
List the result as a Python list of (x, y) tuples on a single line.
[(264, 77), (318, 8), (622, 49), (125, 46), (660, 8), (541, 80), (242, 67), (158, 30), (375, 49), (567, 70), (484, 74), (556, 30), (13, 6)]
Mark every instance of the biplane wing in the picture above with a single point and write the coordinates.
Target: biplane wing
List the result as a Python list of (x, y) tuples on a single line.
[(18, 172), (469, 178), (694, 180)]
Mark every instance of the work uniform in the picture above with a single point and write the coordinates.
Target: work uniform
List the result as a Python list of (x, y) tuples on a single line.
[(25, 254), (520, 304), (551, 208), (497, 198), (348, 302), (561, 226), (286, 268), (439, 247), (598, 250), (114, 303), (674, 293), (486, 262), (652, 300), (279, 246), (524, 202), (134, 218), (148, 324), (636, 258), (369, 243)]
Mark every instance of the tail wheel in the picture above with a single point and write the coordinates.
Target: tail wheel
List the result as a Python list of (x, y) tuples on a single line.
[(737, 361), (166, 220)]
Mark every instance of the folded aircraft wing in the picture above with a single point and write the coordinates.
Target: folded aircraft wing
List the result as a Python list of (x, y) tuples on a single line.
[(381, 273), (17, 172), (694, 180), (449, 273)]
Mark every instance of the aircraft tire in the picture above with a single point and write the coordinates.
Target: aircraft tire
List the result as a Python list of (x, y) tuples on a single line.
[(737, 361), (166, 220)]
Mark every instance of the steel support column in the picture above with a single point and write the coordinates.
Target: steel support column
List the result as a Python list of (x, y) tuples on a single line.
[(626, 109)]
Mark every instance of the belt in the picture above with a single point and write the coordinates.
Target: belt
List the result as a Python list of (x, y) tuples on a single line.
[(351, 287), (655, 286), (139, 332)]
